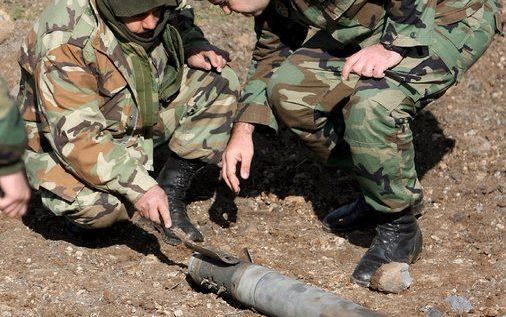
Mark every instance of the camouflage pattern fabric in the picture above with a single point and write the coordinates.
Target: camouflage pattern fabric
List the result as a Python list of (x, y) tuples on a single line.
[(12, 134), (80, 103), (364, 124), (90, 209), (196, 125)]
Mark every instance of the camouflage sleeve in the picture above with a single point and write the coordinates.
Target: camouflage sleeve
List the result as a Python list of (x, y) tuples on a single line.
[(409, 23), (277, 37), (192, 35), (70, 102), (12, 134)]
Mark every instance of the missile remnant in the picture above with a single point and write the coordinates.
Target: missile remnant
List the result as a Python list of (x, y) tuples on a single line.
[(267, 290)]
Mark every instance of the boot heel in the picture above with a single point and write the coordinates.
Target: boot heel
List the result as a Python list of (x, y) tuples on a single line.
[(417, 249)]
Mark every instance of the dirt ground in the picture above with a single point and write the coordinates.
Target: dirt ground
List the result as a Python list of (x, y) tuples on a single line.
[(131, 272)]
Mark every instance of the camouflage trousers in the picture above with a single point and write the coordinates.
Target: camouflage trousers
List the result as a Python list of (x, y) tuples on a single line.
[(195, 125), (363, 124)]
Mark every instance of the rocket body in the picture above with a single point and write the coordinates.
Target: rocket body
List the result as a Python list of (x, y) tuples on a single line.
[(269, 291)]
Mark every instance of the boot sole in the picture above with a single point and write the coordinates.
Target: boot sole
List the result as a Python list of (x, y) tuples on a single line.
[(365, 284)]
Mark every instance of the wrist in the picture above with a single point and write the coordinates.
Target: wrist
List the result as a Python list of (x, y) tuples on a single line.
[(243, 128)]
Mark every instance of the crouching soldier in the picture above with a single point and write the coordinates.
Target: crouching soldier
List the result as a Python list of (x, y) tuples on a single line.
[(350, 93), (103, 83), (14, 191)]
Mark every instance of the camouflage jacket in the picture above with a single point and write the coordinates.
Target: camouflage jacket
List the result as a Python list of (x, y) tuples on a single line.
[(12, 134), (79, 101), (284, 25)]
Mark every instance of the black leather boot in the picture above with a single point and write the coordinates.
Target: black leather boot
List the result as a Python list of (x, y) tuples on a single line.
[(398, 239), (175, 178), (354, 216)]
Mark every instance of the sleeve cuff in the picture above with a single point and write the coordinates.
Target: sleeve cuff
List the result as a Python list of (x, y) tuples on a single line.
[(190, 47), (141, 183), (11, 168), (257, 114)]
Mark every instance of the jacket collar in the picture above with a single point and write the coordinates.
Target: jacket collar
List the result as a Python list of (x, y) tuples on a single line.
[(103, 40)]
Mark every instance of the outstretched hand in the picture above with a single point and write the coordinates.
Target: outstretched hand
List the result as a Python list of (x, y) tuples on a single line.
[(239, 150), (154, 206), (207, 58), (371, 61), (14, 194), (246, 7)]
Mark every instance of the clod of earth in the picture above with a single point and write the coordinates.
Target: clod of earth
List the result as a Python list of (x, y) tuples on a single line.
[(392, 277), (6, 25)]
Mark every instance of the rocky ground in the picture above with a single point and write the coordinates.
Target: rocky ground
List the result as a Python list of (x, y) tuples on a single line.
[(131, 272)]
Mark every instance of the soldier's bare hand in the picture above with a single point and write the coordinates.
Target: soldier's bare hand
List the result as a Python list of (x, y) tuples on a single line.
[(246, 7), (16, 194), (239, 150), (153, 205), (371, 61), (207, 58)]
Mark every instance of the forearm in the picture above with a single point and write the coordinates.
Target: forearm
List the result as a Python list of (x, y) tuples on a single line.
[(12, 134), (191, 35)]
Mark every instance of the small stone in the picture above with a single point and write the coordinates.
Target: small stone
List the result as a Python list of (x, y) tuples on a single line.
[(433, 312), (6, 314), (478, 144), (436, 238), (178, 313), (150, 259), (491, 311), (295, 200), (474, 86), (392, 277), (6, 26), (459, 304)]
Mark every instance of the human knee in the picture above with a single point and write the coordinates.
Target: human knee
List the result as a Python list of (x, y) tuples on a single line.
[(90, 209), (367, 121), (230, 80), (99, 216), (225, 82), (288, 103)]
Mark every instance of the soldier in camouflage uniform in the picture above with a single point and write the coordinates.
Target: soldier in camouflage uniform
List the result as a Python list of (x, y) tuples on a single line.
[(350, 92), (14, 190), (103, 83)]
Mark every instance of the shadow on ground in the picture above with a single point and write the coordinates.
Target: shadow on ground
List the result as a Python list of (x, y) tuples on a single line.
[(282, 166), (51, 227), (285, 167)]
